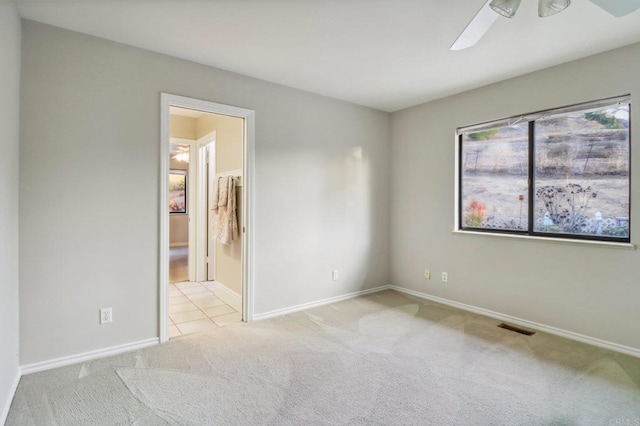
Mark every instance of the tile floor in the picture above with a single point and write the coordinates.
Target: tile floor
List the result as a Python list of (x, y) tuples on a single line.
[(193, 307)]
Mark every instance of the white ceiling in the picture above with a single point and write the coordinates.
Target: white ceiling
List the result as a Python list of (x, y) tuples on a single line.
[(385, 54)]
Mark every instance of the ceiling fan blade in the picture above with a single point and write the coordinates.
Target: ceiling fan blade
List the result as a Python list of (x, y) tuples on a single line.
[(475, 29), (618, 8)]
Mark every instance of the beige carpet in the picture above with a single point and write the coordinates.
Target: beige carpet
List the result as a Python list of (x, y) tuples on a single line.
[(381, 359)]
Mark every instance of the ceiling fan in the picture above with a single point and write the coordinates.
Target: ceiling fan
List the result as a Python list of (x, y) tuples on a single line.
[(180, 153), (492, 9)]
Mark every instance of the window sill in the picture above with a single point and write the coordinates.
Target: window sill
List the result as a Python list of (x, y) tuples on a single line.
[(615, 245)]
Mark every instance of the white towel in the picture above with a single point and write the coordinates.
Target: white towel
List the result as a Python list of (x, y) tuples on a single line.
[(225, 219), (220, 193)]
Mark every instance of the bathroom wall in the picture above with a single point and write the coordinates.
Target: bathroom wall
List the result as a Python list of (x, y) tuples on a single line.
[(183, 127), (229, 157), (229, 137)]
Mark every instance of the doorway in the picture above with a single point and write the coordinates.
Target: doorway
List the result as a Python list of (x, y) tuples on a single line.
[(181, 204), (205, 273)]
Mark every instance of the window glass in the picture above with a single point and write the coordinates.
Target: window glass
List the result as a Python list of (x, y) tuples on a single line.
[(582, 173), (494, 171)]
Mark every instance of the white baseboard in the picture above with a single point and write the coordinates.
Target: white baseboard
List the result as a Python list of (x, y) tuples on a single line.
[(229, 296), (172, 245), (525, 323), (87, 356), (292, 309), (12, 393)]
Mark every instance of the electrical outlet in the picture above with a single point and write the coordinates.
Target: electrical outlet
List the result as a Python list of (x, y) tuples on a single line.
[(334, 275), (427, 274), (106, 315), (445, 277)]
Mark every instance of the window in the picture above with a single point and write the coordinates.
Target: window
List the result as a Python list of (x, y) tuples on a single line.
[(561, 173)]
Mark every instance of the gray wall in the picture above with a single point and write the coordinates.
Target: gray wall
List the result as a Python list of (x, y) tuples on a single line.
[(585, 289), (9, 125), (90, 158)]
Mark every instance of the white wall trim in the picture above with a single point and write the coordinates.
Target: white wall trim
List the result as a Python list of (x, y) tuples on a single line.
[(628, 350), (12, 394), (229, 296), (249, 215), (309, 305), (87, 356)]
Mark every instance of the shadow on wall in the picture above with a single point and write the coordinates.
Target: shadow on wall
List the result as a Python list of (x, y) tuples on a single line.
[(327, 211)]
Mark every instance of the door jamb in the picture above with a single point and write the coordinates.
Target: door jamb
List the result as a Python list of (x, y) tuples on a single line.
[(166, 101), (202, 221)]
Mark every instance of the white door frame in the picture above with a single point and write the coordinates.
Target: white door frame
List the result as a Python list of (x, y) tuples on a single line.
[(248, 217)]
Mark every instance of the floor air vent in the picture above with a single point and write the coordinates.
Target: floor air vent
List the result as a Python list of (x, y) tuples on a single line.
[(517, 330)]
